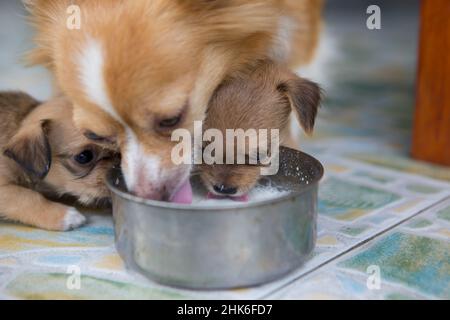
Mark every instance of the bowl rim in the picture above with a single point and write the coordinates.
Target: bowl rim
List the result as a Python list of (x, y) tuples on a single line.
[(192, 207)]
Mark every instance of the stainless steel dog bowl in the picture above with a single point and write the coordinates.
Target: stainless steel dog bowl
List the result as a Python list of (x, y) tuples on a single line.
[(218, 247)]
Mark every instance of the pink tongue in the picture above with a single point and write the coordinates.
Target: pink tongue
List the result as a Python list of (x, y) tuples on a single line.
[(211, 195), (183, 194), (243, 198)]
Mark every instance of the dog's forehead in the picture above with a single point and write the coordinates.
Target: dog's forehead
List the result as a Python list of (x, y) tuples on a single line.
[(65, 137), (118, 95)]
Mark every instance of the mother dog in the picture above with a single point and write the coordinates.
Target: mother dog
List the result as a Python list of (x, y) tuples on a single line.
[(136, 70)]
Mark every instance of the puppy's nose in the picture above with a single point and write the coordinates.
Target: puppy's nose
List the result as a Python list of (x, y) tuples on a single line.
[(225, 189)]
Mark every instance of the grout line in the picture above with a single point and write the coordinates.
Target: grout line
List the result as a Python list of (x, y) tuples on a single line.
[(52, 250), (357, 245)]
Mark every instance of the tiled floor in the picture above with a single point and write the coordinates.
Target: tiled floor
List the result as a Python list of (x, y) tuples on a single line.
[(380, 213)]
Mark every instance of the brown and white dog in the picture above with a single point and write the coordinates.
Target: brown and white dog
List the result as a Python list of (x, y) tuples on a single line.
[(43, 155), (261, 98), (137, 70)]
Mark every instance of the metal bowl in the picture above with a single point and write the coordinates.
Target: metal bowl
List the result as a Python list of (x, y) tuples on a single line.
[(218, 247)]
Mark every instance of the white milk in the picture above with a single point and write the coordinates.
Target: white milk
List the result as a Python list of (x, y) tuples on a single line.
[(258, 193)]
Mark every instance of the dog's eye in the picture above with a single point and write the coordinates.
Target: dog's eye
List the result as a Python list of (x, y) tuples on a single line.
[(93, 136), (165, 125), (85, 157), (169, 122)]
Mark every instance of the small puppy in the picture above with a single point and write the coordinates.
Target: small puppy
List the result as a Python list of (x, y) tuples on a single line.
[(44, 155), (261, 98)]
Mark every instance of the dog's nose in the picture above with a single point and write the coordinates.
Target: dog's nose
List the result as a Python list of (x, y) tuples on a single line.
[(225, 189)]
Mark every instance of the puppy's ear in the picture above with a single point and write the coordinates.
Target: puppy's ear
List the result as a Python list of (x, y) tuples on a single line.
[(304, 97), (30, 148)]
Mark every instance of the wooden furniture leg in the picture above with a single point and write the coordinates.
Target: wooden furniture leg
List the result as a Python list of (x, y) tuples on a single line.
[(431, 137)]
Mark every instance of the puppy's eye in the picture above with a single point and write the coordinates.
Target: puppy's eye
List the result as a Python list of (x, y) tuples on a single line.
[(169, 122), (93, 136), (85, 157)]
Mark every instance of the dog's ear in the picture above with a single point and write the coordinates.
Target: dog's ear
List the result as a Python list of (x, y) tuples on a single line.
[(30, 148), (304, 98)]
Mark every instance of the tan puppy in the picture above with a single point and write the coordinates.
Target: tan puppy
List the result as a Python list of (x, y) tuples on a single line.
[(137, 70), (262, 98), (44, 154)]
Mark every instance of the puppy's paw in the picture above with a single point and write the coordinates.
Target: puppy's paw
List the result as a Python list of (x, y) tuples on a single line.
[(72, 219)]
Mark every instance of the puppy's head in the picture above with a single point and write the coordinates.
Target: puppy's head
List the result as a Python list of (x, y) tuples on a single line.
[(261, 98), (57, 157), (137, 70)]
